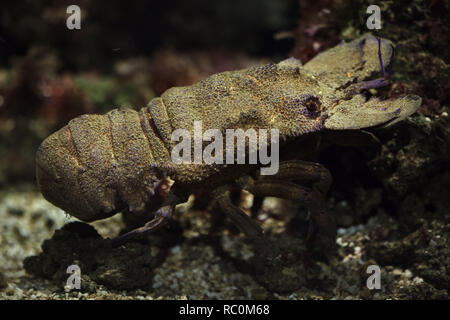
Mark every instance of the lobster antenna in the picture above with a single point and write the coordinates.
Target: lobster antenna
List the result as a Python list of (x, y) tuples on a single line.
[(391, 62), (380, 57), (381, 60)]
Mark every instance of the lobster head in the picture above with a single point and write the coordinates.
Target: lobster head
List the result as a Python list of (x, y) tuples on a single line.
[(335, 86)]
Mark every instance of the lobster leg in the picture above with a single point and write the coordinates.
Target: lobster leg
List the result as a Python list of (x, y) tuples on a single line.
[(281, 185), (160, 219), (246, 224), (303, 172)]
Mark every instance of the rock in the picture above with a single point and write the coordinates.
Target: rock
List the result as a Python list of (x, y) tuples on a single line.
[(127, 267)]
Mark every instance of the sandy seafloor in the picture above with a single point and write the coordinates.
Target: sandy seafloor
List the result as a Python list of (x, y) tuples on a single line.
[(193, 269)]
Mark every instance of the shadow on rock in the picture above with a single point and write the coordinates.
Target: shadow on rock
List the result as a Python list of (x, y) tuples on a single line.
[(125, 268)]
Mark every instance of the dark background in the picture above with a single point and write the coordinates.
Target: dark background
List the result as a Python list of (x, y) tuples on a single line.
[(120, 29)]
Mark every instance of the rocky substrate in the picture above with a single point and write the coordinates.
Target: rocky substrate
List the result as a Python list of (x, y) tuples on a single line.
[(196, 258)]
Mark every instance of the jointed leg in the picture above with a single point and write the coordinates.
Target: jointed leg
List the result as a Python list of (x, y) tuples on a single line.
[(160, 219), (286, 184), (246, 224), (257, 204), (303, 172), (281, 185)]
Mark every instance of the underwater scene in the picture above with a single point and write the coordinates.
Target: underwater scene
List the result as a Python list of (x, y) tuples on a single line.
[(225, 150)]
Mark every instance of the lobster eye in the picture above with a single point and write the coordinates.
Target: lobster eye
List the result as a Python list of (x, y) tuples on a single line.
[(313, 105)]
